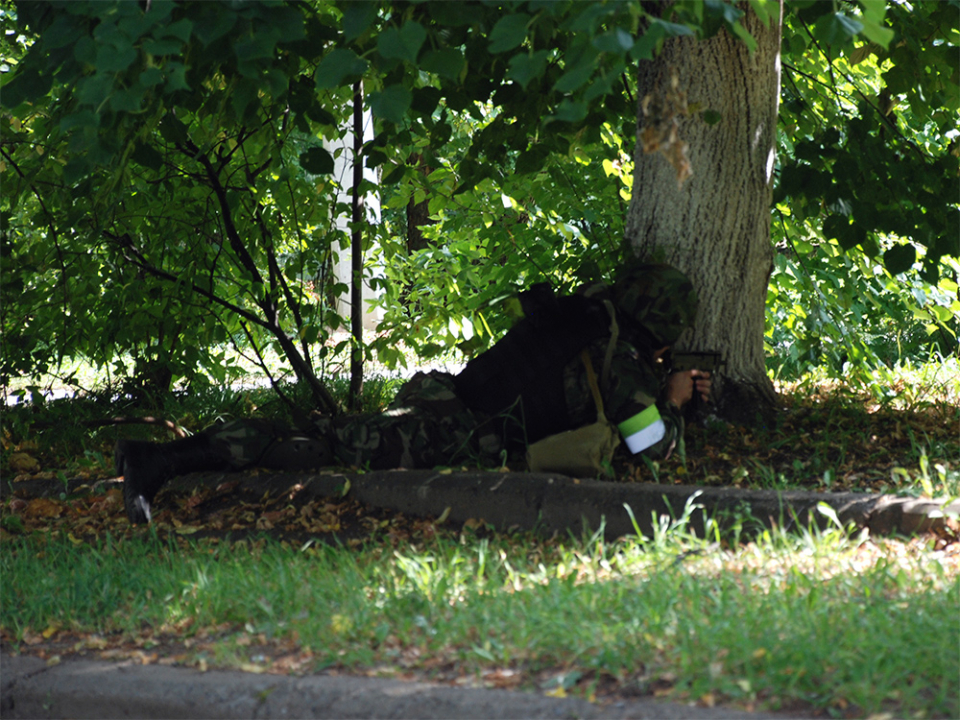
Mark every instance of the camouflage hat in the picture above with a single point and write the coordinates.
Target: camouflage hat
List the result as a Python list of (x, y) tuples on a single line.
[(659, 298)]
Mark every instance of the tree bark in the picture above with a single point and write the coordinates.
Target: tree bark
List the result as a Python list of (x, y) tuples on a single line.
[(418, 213), (716, 227)]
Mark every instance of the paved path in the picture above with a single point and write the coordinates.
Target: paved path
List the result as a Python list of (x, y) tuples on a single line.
[(100, 689)]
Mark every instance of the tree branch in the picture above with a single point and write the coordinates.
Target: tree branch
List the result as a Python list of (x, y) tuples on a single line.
[(56, 243), (126, 242), (833, 80)]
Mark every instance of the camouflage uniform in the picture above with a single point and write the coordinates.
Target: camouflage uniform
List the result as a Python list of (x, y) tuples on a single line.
[(655, 303), (428, 424)]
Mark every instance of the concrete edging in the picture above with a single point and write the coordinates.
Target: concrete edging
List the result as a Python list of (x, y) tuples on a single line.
[(555, 503)]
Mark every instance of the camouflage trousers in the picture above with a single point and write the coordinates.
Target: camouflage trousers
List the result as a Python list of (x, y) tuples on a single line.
[(426, 425)]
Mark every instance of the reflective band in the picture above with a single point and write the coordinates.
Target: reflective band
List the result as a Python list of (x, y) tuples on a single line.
[(643, 429)]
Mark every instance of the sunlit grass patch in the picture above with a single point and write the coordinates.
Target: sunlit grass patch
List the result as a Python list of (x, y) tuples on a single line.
[(820, 617), (904, 386)]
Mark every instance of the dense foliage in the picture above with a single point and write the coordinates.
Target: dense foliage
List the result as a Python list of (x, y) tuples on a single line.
[(169, 185)]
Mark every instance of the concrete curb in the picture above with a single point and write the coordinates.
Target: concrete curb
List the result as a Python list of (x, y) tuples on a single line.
[(558, 504), (101, 689)]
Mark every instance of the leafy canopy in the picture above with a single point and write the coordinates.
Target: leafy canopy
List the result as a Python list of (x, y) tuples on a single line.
[(171, 182)]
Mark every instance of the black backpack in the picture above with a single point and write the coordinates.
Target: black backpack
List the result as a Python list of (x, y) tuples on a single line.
[(522, 375)]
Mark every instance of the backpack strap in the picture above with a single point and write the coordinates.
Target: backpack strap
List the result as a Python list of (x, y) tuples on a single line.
[(594, 388), (614, 336)]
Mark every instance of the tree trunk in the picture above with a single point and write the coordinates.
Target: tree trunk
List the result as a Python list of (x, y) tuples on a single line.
[(418, 213), (716, 227)]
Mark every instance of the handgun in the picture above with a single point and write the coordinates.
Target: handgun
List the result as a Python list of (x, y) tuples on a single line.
[(705, 360)]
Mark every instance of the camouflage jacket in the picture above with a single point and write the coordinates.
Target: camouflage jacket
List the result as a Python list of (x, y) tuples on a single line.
[(634, 383)]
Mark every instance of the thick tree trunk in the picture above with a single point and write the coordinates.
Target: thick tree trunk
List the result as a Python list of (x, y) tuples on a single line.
[(716, 227)]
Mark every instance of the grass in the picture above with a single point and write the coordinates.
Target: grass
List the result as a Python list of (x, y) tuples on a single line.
[(815, 620), (819, 619)]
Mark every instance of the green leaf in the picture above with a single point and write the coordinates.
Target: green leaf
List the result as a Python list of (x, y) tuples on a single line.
[(391, 103), (509, 32), (875, 32), (741, 32), (671, 29), (531, 160), (617, 41), (63, 31), (172, 129), (150, 77), (659, 30), (357, 17), (260, 45), (320, 115), (425, 100), (215, 25), (112, 59), (26, 84), (525, 67), (837, 29), (95, 89), (176, 77), (128, 100), (899, 258), (834, 226), (575, 78), (289, 22), (338, 66), (166, 46), (403, 43), (395, 175), (440, 134), (180, 29), (471, 173), (766, 10), (645, 46), (147, 156), (317, 161), (571, 111), (242, 98), (447, 62), (84, 118)]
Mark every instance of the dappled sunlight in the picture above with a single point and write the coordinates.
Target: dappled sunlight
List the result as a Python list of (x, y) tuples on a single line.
[(505, 610)]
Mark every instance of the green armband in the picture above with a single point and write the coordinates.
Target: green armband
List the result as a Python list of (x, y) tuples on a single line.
[(643, 429)]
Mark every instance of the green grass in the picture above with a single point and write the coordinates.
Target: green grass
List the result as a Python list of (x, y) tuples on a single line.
[(817, 618), (813, 619)]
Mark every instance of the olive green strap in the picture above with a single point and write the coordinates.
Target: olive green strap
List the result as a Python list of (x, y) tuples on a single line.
[(614, 335), (594, 388)]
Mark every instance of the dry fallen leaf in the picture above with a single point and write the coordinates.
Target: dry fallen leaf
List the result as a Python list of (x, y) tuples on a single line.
[(43, 507), (20, 462)]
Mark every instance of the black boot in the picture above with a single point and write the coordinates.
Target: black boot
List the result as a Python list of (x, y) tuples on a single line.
[(146, 466)]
